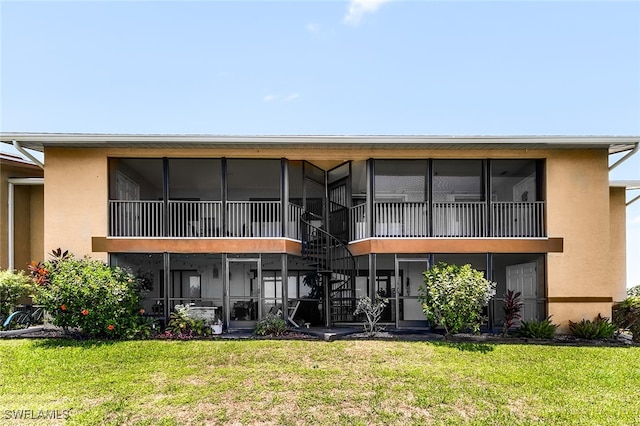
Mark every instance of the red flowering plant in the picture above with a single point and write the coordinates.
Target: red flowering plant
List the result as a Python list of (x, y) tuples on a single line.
[(88, 295)]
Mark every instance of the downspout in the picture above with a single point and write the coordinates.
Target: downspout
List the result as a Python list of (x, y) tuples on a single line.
[(626, 157), (27, 154)]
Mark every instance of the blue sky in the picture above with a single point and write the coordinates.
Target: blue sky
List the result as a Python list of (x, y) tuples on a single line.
[(326, 67)]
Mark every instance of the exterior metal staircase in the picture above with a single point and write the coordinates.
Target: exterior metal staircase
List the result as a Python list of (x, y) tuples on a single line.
[(335, 269)]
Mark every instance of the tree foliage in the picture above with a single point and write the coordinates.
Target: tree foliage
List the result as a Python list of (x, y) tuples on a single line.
[(13, 286), (453, 296), (633, 291)]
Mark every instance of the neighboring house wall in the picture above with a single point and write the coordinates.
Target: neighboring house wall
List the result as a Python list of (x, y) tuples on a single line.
[(28, 215), (617, 254)]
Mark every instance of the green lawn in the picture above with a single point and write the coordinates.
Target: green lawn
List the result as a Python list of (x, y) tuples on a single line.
[(316, 382)]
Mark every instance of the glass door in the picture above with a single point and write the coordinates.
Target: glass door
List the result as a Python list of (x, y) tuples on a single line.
[(409, 278), (243, 276)]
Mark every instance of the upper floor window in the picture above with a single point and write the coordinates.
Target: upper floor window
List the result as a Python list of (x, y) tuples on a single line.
[(135, 179), (401, 180), (196, 179), (458, 180), (515, 180), (253, 179)]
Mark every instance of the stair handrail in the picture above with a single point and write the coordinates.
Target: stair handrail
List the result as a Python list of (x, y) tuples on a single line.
[(332, 242)]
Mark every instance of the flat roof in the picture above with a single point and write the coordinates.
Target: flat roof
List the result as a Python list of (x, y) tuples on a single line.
[(38, 141), (628, 184)]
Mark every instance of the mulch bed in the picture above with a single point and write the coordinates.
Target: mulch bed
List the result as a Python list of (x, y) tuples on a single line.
[(391, 335)]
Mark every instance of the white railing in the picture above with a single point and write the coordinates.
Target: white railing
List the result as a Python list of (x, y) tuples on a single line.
[(517, 219), (293, 228), (358, 222), (460, 219), (195, 219), (401, 219), (136, 218), (254, 219)]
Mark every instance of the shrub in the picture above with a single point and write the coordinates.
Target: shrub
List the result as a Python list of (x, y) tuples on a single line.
[(599, 328), (271, 325), (626, 315), (183, 326), (453, 296), (13, 286), (536, 329), (372, 311), (633, 291), (88, 294), (512, 307)]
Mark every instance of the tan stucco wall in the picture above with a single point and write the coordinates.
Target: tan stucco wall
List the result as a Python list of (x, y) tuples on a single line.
[(76, 200), (578, 211), (617, 252), (25, 213)]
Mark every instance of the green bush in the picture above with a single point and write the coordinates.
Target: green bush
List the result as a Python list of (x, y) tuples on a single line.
[(271, 325), (536, 329), (13, 286), (599, 328), (626, 315), (182, 326), (88, 294), (453, 296)]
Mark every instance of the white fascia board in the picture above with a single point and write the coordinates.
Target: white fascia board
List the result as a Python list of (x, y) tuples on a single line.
[(39, 140)]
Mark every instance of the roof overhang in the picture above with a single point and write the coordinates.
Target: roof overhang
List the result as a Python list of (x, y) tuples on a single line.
[(38, 141)]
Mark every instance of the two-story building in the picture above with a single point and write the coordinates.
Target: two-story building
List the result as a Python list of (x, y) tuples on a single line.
[(306, 225)]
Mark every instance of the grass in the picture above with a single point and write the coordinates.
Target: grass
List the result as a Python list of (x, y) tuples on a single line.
[(315, 382)]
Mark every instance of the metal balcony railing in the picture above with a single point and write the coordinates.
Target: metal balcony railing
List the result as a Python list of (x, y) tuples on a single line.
[(251, 219), (517, 219), (199, 219), (401, 219), (254, 219), (136, 218), (460, 219)]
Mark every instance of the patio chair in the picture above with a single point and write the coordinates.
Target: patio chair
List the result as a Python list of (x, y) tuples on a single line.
[(293, 310)]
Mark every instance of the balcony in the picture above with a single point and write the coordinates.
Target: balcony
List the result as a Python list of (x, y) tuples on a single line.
[(263, 219), (202, 219), (450, 220)]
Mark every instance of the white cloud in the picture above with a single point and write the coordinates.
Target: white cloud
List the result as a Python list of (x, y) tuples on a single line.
[(357, 9), (313, 28), (636, 220), (292, 97), (270, 98)]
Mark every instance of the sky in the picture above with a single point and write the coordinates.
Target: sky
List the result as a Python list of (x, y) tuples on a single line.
[(378, 67)]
